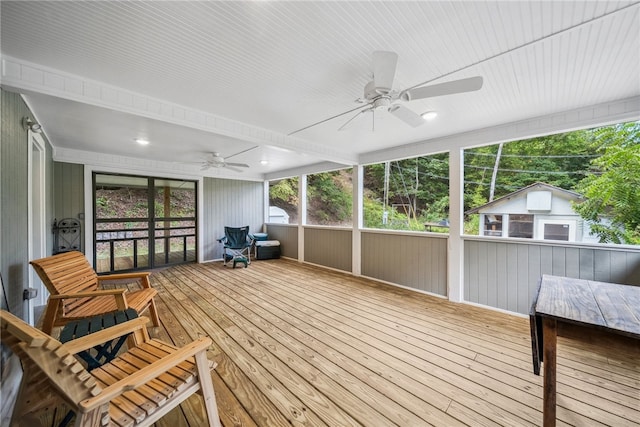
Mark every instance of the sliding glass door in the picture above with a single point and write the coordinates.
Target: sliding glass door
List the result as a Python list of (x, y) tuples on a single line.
[(143, 222)]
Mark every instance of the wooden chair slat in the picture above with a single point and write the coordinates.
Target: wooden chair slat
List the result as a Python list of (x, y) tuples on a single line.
[(136, 389), (162, 390), (70, 273), (149, 394), (175, 383)]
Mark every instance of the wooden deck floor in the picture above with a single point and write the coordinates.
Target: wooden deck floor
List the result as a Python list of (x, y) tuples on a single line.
[(299, 345)]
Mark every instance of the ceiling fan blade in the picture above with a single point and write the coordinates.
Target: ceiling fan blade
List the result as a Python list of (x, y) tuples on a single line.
[(239, 165), (457, 86), (352, 120), (406, 115), (233, 168), (384, 70)]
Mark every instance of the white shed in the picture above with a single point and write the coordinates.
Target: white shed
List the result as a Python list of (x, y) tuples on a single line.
[(278, 215), (539, 211)]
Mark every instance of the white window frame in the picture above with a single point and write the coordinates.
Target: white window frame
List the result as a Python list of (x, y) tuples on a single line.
[(540, 223)]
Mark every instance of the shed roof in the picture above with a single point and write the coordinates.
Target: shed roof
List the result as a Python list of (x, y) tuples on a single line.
[(537, 186)]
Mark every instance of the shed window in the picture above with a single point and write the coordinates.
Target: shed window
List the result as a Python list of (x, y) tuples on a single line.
[(493, 225), (521, 226), (556, 232)]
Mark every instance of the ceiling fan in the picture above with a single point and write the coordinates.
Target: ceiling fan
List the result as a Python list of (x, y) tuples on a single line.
[(379, 94), (215, 160)]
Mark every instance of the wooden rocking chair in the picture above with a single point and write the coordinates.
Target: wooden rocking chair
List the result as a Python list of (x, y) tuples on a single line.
[(136, 389), (76, 292)]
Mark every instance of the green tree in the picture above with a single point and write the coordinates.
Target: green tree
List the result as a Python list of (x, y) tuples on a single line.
[(284, 194), (561, 160), (612, 195), (418, 192), (329, 198)]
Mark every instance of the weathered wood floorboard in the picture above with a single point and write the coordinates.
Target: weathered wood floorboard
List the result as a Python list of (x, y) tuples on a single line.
[(300, 345)]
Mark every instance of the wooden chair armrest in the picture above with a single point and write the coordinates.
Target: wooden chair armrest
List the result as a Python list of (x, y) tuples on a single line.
[(31, 336), (142, 277), (89, 341), (91, 294), (146, 374), (120, 276)]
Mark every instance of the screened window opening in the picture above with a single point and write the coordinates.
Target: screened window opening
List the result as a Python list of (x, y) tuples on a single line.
[(143, 222), (330, 198), (283, 201), (410, 194), (578, 186)]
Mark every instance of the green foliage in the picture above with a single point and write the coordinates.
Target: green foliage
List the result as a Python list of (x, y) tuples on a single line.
[(329, 197), (372, 213), (418, 192), (284, 194), (284, 191), (612, 191), (603, 164), (472, 225), (561, 160)]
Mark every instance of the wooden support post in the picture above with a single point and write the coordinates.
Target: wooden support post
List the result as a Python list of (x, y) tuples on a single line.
[(550, 334)]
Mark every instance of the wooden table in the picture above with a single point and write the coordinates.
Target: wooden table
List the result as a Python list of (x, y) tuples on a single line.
[(606, 306)]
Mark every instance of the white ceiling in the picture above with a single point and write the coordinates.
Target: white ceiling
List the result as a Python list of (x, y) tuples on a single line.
[(198, 77)]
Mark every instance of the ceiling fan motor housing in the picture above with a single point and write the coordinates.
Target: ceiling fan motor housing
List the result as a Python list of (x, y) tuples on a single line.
[(382, 103), (378, 97), (372, 92)]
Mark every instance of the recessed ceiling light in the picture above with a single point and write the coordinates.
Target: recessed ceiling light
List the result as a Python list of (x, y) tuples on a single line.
[(429, 115), (264, 162), (142, 141)]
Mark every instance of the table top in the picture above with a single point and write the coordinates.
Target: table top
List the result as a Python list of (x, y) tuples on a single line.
[(597, 304)]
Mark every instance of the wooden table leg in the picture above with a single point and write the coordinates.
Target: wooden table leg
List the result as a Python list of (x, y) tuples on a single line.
[(550, 334)]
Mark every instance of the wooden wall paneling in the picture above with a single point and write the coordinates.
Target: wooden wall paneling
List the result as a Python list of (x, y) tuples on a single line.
[(418, 262), (572, 262), (372, 255), (558, 264), (466, 265), (512, 277), (424, 268), (439, 277), (475, 273), (49, 194), (492, 275), (618, 267), (287, 235), (587, 264), (505, 274), (632, 274), (229, 203), (14, 152), (501, 276), (536, 256), (328, 247), (602, 266)]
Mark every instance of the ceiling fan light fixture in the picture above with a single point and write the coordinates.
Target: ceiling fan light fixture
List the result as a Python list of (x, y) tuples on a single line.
[(429, 115)]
